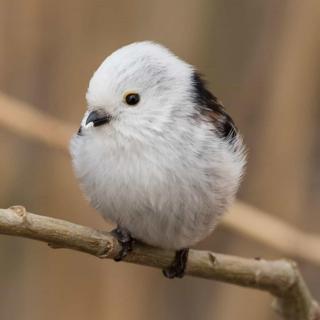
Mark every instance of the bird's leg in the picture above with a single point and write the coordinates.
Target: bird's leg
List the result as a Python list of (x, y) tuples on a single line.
[(126, 241), (178, 266)]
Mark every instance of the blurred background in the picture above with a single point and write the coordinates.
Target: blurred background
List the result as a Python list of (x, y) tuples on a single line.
[(261, 58)]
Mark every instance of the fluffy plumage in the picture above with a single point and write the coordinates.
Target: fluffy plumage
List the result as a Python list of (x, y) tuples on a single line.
[(167, 168)]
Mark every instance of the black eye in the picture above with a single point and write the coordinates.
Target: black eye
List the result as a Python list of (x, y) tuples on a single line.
[(132, 99)]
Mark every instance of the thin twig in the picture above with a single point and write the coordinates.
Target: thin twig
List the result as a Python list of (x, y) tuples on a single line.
[(281, 278), (274, 232), (33, 123), (243, 219)]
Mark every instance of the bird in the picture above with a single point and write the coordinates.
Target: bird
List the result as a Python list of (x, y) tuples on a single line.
[(156, 152)]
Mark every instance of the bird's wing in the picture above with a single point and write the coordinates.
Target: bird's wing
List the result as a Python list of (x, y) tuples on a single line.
[(213, 110)]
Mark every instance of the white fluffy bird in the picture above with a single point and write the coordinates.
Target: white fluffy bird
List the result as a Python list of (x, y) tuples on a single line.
[(156, 152)]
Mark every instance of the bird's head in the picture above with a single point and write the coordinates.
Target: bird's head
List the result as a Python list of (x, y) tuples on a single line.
[(141, 85)]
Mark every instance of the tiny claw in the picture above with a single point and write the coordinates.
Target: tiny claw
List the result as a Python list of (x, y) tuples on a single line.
[(126, 241), (178, 266)]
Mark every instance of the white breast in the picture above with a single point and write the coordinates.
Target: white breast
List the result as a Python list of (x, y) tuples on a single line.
[(166, 192)]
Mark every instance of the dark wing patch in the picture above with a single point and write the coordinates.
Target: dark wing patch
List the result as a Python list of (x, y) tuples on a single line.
[(212, 109)]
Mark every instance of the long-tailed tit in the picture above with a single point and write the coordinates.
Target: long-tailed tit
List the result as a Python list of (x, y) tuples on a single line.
[(156, 152)]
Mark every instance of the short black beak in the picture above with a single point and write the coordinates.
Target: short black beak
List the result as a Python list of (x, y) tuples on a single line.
[(98, 118)]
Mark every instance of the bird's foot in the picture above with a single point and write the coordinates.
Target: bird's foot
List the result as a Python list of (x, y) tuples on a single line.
[(178, 266), (126, 241)]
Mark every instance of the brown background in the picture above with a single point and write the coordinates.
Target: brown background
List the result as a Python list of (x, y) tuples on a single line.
[(261, 57)]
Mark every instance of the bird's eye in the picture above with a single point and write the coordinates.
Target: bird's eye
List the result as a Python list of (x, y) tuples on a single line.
[(132, 99)]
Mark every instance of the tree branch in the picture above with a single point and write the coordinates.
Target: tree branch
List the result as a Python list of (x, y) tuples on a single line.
[(246, 220), (281, 278), (36, 124)]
